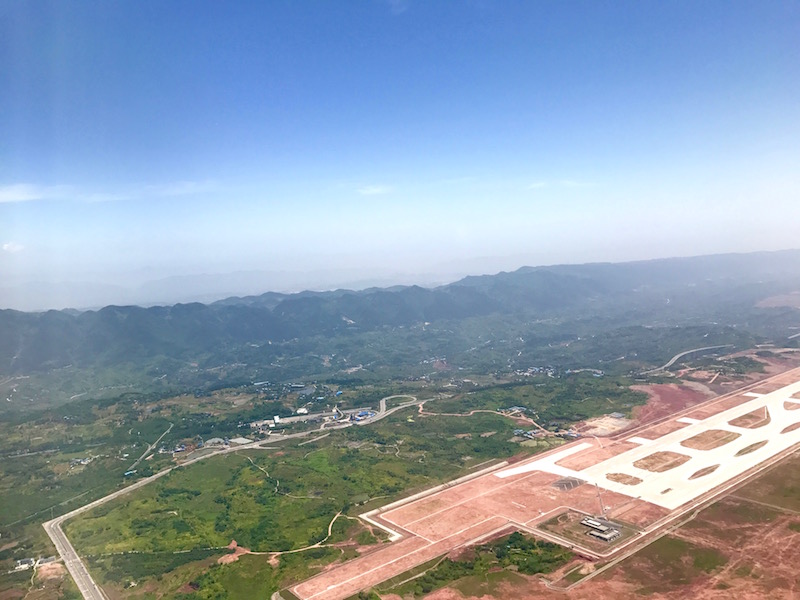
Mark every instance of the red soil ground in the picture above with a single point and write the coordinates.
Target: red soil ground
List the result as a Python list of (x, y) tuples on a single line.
[(457, 516), (760, 555), (665, 400), (660, 430), (603, 450), (717, 407), (237, 551)]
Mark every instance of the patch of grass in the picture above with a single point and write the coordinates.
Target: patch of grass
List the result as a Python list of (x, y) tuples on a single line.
[(486, 568), (670, 562), (443, 573), (134, 567), (743, 571), (249, 577), (658, 462), (573, 398), (489, 584), (362, 595), (712, 438), (707, 559), (722, 586), (283, 500), (747, 512), (14, 580), (403, 577), (752, 448), (574, 576), (779, 486), (207, 504)]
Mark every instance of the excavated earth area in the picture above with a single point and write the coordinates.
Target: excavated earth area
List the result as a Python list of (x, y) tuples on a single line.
[(570, 477)]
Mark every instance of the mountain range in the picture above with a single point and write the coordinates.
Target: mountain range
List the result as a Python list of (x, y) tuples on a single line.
[(676, 291)]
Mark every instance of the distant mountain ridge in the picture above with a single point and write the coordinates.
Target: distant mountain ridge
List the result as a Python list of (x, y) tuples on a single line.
[(31, 342)]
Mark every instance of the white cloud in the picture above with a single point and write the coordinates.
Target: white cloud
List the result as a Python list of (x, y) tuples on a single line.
[(103, 197), (537, 185), (374, 190), (28, 192), (180, 188), (13, 247)]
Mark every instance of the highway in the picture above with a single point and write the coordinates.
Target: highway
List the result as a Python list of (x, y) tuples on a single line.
[(76, 567), (86, 585), (672, 360)]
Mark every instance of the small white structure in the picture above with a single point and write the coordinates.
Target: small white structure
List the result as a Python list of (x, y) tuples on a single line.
[(302, 411), (276, 419), (24, 564)]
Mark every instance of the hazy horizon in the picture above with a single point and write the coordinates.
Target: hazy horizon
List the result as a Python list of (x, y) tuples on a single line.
[(395, 142), (209, 287)]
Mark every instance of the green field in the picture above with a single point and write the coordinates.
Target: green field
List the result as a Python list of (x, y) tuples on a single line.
[(41, 478), (566, 400), (669, 563), (779, 486), (283, 500), (483, 568), (167, 536)]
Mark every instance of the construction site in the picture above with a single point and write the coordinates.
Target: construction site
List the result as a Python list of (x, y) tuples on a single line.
[(600, 497)]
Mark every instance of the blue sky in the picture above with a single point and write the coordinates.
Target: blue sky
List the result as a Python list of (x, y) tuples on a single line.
[(388, 140)]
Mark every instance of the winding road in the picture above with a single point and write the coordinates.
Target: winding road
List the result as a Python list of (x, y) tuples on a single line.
[(672, 360)]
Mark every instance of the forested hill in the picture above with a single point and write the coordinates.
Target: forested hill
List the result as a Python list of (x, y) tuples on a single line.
[(679, 291)]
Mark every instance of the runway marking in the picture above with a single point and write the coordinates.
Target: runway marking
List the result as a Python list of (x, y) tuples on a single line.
[(470, 499), (393, 535), (549, 461), (641, 441), (672, 489), (683, 489), (383, 566)]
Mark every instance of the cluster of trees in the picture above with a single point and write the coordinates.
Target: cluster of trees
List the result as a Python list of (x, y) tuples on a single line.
[(525, 554), (136, 566), (528, 555)]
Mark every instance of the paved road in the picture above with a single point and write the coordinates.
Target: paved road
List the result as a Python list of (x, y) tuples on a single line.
[(672, 360), (383, 412), (150, 447), (88, 588), (86, 585)]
